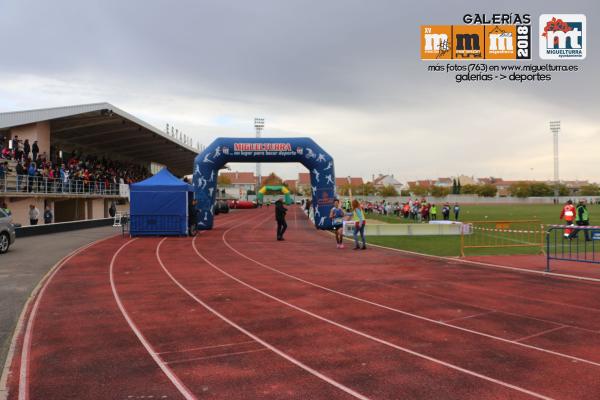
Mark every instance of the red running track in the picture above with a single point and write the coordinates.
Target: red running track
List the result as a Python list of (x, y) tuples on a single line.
[(235, 314)]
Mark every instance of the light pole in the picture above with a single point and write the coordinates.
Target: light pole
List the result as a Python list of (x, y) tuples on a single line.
[(555, 128), (259, 125)]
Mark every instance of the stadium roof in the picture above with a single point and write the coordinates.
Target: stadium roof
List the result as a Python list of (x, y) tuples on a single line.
[(108, 129)]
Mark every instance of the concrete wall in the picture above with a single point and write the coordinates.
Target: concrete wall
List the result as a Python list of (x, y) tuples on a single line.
[(39, 131), (20, 209), (97, 208)]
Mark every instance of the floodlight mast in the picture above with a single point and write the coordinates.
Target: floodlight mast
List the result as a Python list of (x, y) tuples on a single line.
[(259, 125), (555, 128)]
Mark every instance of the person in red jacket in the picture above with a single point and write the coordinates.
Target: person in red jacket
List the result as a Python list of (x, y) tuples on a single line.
[(568, 213)]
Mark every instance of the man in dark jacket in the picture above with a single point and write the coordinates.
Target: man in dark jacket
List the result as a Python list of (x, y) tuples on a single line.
[(35, 150), (280, 211)]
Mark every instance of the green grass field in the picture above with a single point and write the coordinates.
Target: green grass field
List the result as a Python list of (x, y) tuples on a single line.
[(450, 245)]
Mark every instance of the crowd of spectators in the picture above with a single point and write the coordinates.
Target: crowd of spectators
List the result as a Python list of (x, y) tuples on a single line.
[(73, 172), (415, 210)]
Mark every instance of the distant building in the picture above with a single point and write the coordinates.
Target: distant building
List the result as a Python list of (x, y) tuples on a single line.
[(303, 182), (387, 180), (443, 182), (239, 183)]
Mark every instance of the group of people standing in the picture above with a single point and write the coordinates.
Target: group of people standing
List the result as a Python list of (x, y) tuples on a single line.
[(415, 210), (357, 215), (576, 214)]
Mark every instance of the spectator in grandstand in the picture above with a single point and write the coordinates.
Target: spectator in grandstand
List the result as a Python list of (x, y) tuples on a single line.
[(34, 214), (280, 212), (456, 211), (31, 174), (446, 212), (3, 172), (358, 216), (582, 218), (35, 150), (14, 145), (48, 216), (568, 213), (21, 171), (337, 221), (26, 149)]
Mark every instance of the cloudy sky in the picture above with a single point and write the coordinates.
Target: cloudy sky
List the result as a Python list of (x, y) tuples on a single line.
[(345, 72)]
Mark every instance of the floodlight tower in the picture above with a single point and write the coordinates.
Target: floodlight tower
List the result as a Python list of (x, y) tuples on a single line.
[(555, 128), (259, 125)]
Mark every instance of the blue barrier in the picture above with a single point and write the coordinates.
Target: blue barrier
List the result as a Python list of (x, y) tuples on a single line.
[(572, 243), (151, 225)]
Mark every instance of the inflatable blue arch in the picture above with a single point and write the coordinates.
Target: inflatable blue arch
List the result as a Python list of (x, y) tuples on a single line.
[(264, 150)]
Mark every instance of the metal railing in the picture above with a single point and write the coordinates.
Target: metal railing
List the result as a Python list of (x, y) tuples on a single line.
[(24, 184), (572, 243)]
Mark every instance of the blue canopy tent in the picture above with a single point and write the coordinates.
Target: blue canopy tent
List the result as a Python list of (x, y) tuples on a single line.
[(159, 205)]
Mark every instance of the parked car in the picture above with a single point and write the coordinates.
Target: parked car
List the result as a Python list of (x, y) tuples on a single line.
[(7, 231)]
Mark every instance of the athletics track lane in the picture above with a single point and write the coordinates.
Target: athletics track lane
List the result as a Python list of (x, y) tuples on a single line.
[(551, 368)]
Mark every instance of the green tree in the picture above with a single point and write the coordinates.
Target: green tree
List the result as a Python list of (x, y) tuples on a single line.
[(438, 191), (540, 189), (590, 190), (563, 190), (487, 190), (458, 186), (388, 191), (520, 189), (405, 193), (470, 189), (454, 187), (368, 189), (420, 191)]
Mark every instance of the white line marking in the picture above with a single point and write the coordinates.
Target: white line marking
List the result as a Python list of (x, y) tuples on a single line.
[(26, 347), (206, 347), (216, 356), (253, 336), (408, 313), (539, 334), (373, 338), (470, 316), (483, 264), (185, 392)]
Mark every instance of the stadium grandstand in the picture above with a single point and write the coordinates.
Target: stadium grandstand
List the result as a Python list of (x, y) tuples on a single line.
[(78, 160)]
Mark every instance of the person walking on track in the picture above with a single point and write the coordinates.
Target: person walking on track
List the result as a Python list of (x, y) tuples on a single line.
[(337, 221), (568, 213), (582, 218), (358, 216), (280, 212)]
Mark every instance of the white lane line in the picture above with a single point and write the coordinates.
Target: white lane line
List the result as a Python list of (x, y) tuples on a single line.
[(470, 316), (484, 264), (373, 338), (423, 318), (185, 392), (26, 347), (206, 347), (539, 333), (216, 356), (253, 336)]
